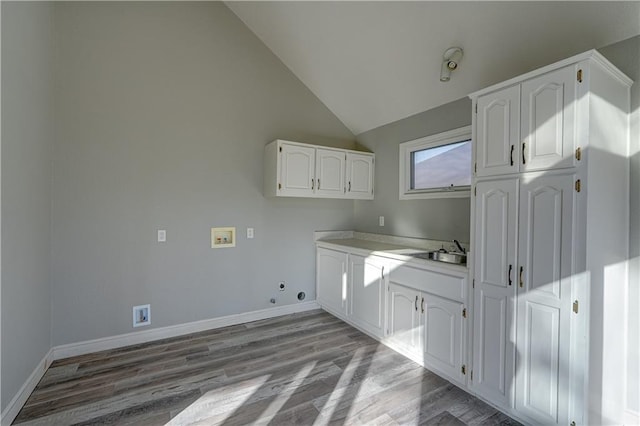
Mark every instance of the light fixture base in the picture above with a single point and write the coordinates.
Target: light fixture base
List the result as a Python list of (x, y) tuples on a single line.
[(450, 61)]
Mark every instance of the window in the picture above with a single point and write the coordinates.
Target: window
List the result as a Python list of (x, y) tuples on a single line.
[(437, 166)]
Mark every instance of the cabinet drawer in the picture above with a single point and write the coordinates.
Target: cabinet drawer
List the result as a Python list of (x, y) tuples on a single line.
[(442, 284)]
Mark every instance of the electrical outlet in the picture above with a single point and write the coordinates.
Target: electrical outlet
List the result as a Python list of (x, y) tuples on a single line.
[(381, 221), (249, 233), (162, 235)]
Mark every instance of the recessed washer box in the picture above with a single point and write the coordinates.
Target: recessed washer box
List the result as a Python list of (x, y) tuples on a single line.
[(223, 237)]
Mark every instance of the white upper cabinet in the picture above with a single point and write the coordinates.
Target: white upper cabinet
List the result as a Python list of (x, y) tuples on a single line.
[(330, 172), (293, 169), (360, 175), (548, 120), (297, 171), (498, 132), (528, 126)]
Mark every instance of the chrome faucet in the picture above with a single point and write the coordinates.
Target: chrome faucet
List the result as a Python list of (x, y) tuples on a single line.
[(457, 243)]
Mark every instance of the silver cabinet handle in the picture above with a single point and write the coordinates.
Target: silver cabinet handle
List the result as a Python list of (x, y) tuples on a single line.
[(416, 304)]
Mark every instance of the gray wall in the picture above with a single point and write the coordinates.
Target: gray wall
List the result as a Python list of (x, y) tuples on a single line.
[(443, 219), (162, 114), (27, 129), (626, 56)]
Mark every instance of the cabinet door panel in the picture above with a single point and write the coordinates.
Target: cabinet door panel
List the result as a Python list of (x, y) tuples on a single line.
[(494, 346), (496, 227), (548, 104), (544, 298), (360, 176), (541, 356), (330, 172), (366, 297), (404, 327), (498, 132), (331, 280), (443, 335), (495, 290), (297, 171)]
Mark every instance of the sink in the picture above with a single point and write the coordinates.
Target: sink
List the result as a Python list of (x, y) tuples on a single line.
[(456, 258)]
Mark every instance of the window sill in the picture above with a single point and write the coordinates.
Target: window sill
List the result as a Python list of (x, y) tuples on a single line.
[(435, 194)]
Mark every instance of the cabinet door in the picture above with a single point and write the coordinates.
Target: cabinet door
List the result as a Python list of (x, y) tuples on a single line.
[(544, 299), (331, 280), (366, 293), (498, 132), (443, 335), (360, 176), (330, 172), (404, 320), (548, 120), (495, 290), (297, 169)]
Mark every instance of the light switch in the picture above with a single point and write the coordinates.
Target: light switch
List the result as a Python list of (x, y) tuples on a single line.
[(381, 221), (249, 233), (162, 236)]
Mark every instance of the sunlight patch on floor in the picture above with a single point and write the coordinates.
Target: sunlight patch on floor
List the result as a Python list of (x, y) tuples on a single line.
[(226, 399)]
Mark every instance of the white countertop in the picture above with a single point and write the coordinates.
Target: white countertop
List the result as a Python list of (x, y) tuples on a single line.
[(397, 248)]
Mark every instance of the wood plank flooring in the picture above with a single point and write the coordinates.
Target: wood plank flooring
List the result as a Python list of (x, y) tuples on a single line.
[(301, 369)]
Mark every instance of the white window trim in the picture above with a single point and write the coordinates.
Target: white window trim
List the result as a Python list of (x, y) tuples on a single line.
[(406, 148)]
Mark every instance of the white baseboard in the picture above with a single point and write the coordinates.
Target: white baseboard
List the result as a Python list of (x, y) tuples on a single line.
[(15, 405), (135, 338)]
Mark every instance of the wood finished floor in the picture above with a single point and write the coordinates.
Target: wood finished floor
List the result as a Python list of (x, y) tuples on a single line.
[(302, 369)]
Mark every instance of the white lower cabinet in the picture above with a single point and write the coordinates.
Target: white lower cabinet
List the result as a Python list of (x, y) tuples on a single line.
[(417, 310), (443, 336), (523, 302), (426, 327), (366, 284), (331, 280), (405, 323)]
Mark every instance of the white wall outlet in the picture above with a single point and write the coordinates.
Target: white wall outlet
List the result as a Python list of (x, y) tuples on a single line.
[(141, 315), (381, 221), (162, 235), (249, 233)]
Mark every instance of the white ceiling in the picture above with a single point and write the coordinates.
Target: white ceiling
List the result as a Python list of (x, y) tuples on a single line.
[(373, 63)]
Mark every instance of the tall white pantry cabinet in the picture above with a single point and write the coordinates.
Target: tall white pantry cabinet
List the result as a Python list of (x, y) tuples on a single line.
[(550, 239)]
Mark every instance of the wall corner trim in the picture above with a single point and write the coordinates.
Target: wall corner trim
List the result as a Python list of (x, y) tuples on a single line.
[(17, 402)]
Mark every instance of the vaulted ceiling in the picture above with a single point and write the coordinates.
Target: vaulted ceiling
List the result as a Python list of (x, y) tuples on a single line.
[(373, 63)]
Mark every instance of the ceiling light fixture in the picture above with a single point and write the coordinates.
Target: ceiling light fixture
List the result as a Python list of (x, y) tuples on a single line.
[(450, 61)]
